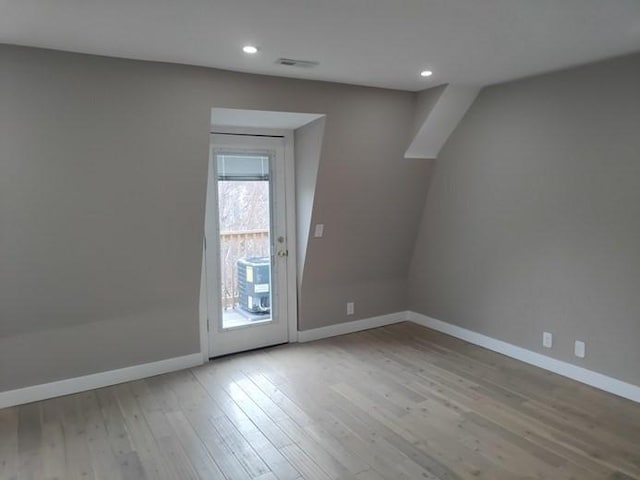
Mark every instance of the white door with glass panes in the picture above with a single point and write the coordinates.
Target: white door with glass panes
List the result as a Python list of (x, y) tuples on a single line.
[(246, 243)]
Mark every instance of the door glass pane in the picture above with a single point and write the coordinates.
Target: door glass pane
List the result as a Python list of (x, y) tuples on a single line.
[(244, 200)]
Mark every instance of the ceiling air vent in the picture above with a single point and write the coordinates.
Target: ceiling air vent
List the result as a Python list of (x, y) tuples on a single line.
[(289, 62)]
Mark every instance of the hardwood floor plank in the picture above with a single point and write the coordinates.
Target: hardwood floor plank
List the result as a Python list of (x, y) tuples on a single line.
[(104, 462), (301, 414), (276, 462), (9, 443), (240, 409), (30, 441), (327, 462), (239, 446), (198, 454), (218, 449), (78, 456), (352, 462), (53, 456), (118, 437), (200, 422), (304, 463), (153, 461)]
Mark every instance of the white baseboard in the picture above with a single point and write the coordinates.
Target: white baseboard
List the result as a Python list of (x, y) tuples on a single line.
[(96, 380), (351, 327), (589, 377)]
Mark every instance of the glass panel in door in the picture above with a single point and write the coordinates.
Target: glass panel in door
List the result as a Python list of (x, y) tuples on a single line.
[(245, 220)]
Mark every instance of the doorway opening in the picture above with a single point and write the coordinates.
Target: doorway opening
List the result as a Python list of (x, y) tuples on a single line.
[(250, 276), (250, 288)]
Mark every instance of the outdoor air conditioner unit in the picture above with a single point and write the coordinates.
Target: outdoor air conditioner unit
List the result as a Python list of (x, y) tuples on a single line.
[(254, 280)]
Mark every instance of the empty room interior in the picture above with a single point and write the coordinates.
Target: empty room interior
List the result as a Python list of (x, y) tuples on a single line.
[(323, 240)]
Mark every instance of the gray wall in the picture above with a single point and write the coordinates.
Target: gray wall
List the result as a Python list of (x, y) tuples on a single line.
[(103, 167), (370, 199), (532, 221)]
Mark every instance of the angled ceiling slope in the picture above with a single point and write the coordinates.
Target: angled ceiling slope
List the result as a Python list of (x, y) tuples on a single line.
[(438, 113)]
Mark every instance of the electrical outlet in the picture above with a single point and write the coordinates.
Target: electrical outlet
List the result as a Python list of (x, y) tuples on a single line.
[(319, 231), (350, 308), (580, 349), (547, 340)]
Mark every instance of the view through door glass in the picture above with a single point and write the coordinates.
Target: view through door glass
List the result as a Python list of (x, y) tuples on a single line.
[(244, 203)]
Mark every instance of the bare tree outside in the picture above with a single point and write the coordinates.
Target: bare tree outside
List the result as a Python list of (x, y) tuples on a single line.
[(244, 230)]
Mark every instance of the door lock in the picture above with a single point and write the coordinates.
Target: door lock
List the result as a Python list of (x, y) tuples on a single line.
[(283, 253)]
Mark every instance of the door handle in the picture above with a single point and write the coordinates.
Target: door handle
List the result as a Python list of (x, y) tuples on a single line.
[(283, 253)]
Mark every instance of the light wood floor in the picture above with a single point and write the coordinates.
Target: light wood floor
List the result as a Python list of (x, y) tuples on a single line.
[(400, 402)]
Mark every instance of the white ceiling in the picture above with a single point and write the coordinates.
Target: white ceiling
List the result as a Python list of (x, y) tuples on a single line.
[(371, 42)]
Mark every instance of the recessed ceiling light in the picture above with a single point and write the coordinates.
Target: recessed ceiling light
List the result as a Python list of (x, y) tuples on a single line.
[(426, 73), (250, 49)]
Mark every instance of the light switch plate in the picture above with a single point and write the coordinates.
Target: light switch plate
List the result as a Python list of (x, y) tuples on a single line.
[(350, 308), (319, 230), (547, 340), (580, 349)]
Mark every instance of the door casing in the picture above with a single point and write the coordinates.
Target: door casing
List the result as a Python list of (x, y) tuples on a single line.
[(208, 305)]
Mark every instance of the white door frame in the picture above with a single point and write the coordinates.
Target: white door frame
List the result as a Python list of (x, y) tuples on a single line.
[(209, 254)]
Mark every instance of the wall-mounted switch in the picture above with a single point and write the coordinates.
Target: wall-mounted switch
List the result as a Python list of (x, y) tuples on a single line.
[(547, 340), (579, 349), (319, 230), (350, 308)]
